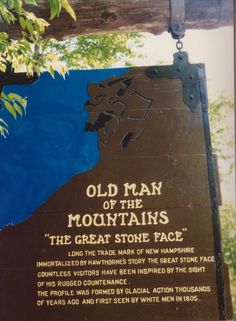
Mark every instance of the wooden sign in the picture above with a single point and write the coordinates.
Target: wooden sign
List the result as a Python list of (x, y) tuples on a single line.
[(136, 237)]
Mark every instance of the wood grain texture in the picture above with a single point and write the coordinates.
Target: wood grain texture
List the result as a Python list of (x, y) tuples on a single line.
[(131, 15)]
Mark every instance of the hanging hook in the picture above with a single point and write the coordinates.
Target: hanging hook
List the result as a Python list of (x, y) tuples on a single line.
[(177, 18)]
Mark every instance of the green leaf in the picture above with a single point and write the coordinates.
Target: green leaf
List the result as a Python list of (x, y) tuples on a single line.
[(3, 122), (10, 108), (29, 26), (18, 5), (65, 4), (32, 2), (55, 7), (6, 15), (18, 108), (22, 22), (3, 131), (51, 71), (15, 96), (3, 36), (11, 4)]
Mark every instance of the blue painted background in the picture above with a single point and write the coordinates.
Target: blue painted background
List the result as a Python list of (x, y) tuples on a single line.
[(49, 145)]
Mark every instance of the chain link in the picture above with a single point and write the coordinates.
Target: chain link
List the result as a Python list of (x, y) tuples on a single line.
[(179, 45)]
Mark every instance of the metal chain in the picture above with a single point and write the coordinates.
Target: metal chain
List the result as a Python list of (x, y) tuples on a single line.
[(179, 45)]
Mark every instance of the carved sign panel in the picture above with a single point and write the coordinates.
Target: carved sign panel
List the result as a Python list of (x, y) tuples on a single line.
[(133, 237)]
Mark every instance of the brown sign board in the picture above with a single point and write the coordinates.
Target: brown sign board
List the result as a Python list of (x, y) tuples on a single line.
[(137, 237)]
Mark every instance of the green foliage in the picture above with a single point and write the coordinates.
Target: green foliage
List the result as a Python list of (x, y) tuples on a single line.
[(27, 53), (95, 51), (56, 5), (3, 128), (228, 224), (32, 53), (222, 134), (228, 221), (15, 105), (221, 112)]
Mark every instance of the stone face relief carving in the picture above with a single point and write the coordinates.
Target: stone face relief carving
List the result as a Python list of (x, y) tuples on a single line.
[(117, 101)]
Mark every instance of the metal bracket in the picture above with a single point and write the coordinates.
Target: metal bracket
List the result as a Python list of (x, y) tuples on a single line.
[(213, 192), (187, 72), (177, 18)]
